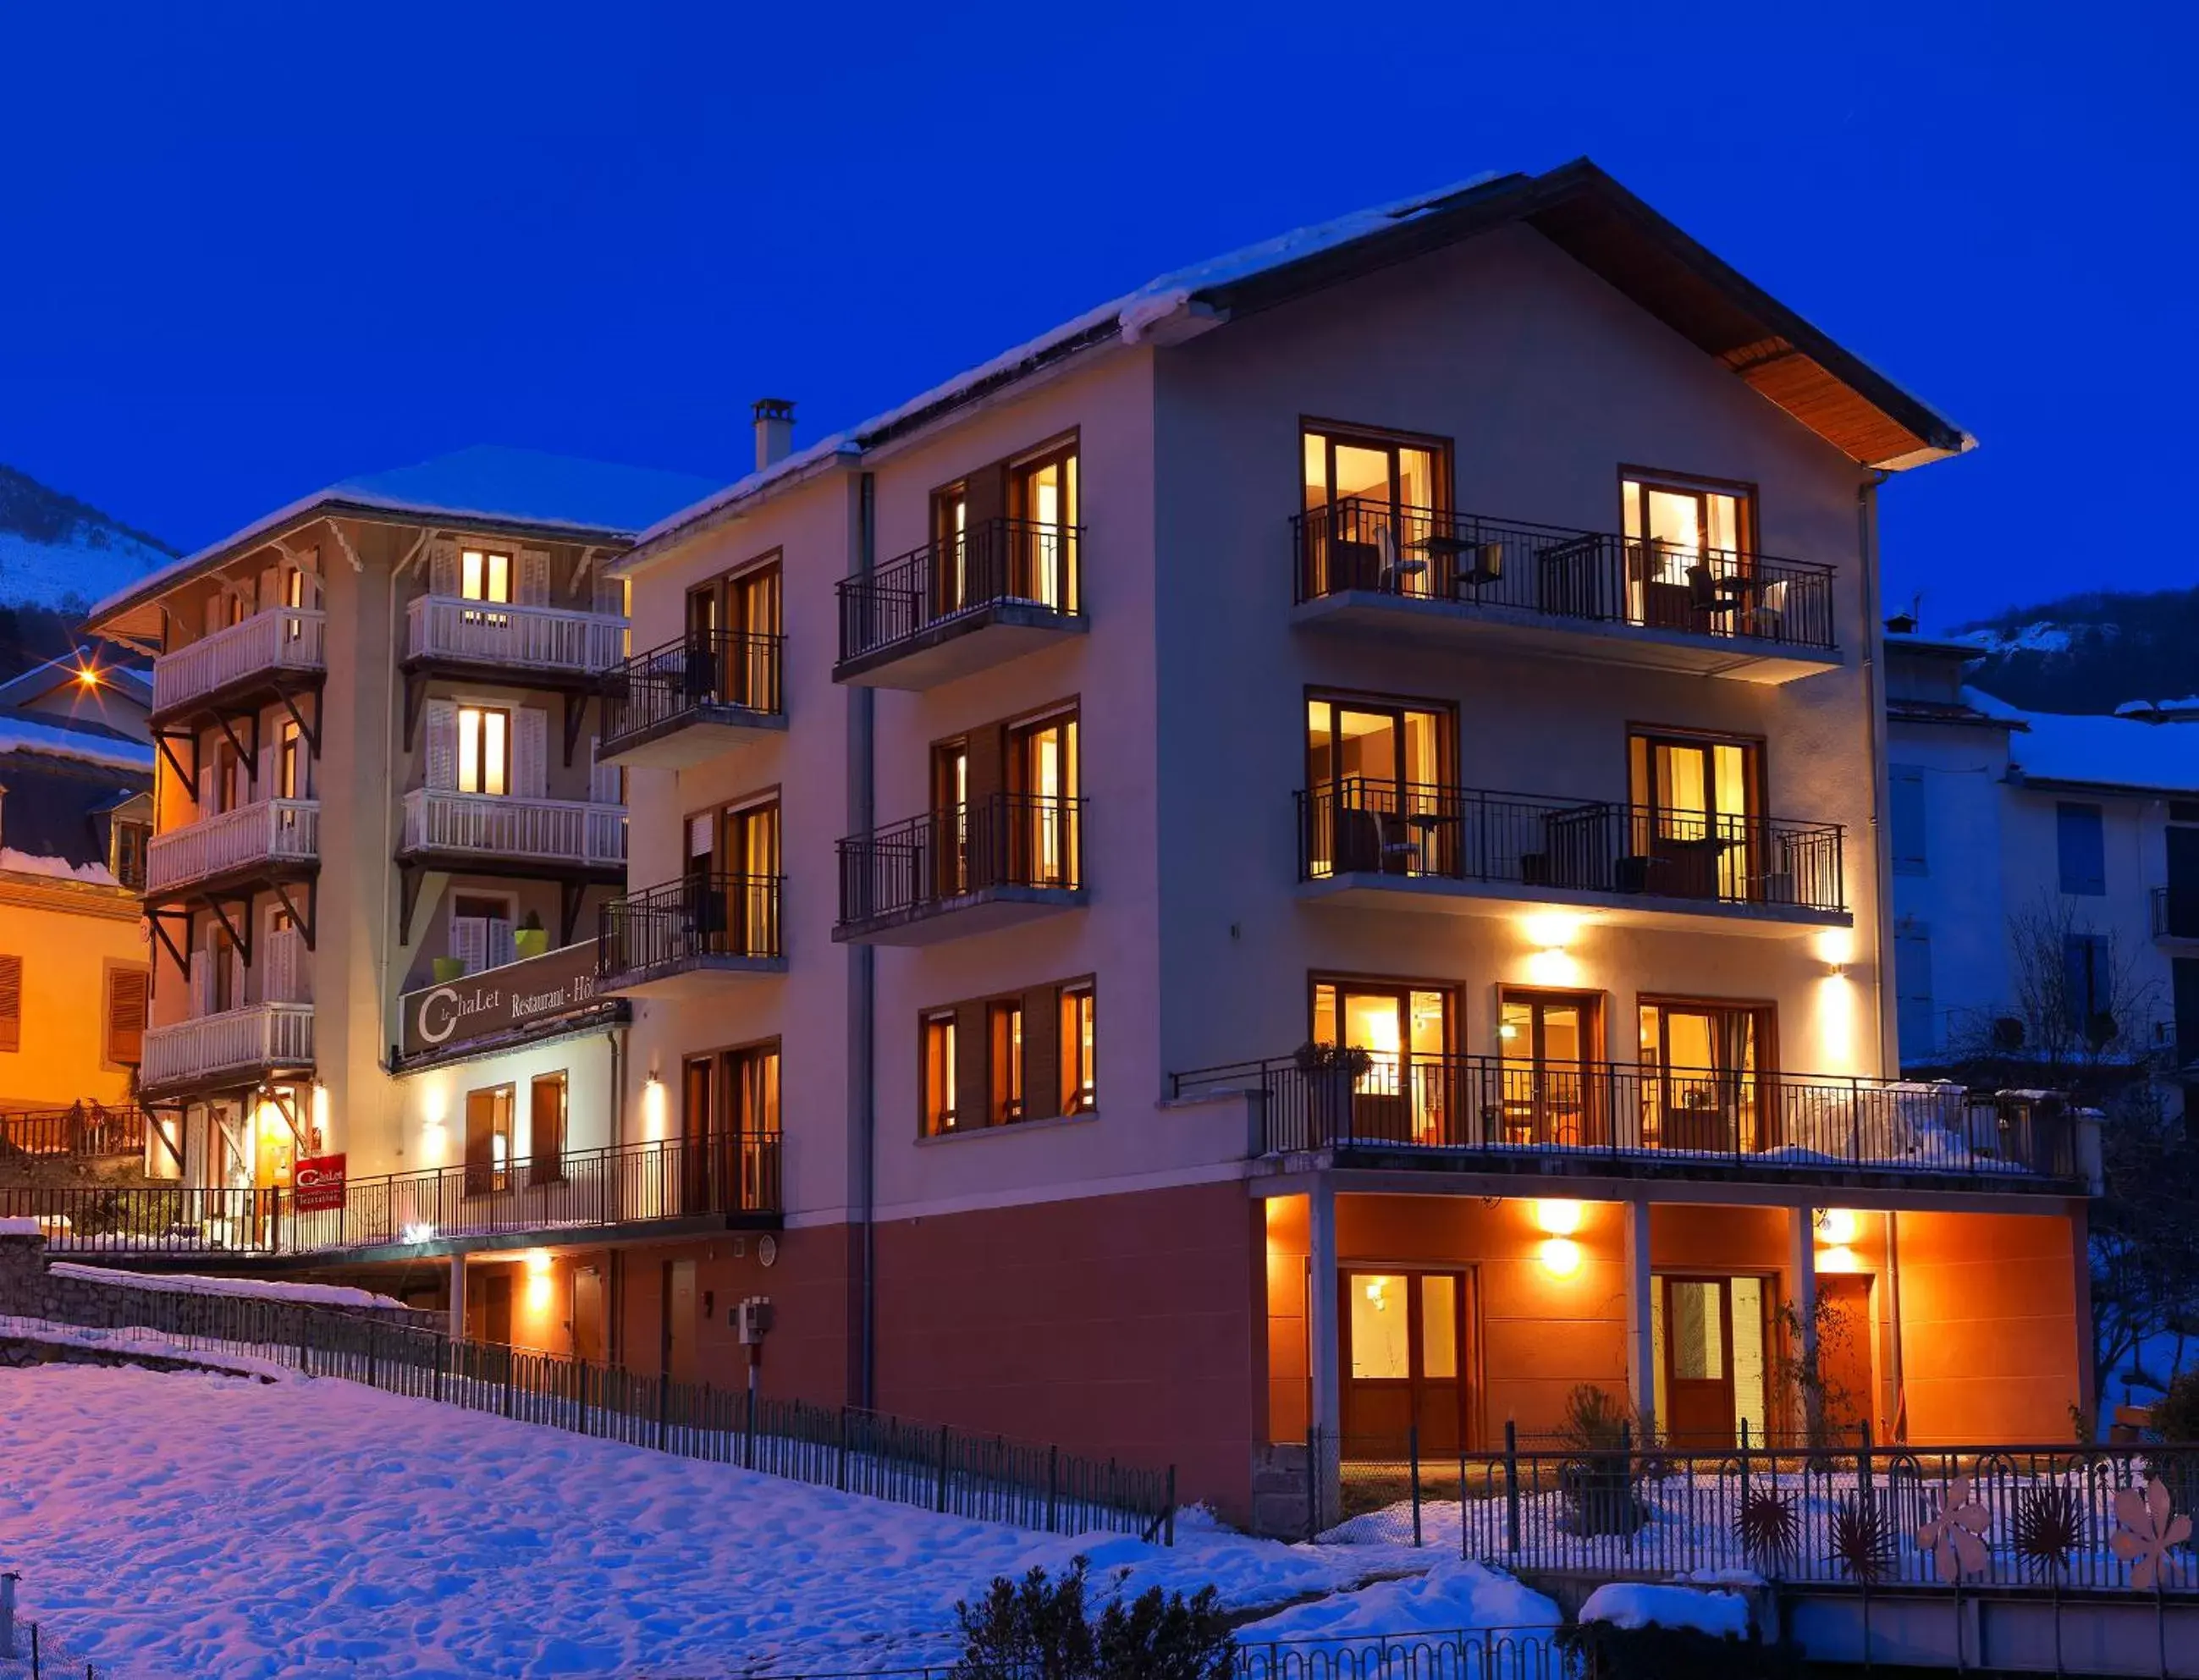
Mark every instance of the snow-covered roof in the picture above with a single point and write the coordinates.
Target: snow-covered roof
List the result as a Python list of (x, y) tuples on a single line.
[(1185, 301), (2112, 752), (487, 484), (58, 740), (41, 681)]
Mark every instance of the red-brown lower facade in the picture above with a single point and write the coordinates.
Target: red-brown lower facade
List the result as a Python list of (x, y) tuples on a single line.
[(1174, 1325)]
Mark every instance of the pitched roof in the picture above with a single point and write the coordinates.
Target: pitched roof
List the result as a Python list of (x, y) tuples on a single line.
[(1578, 208), (521, 490)]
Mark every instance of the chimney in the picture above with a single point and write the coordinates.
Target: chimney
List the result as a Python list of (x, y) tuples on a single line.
[(774, 430)]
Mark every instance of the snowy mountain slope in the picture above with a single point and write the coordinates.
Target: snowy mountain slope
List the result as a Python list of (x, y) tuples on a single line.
[(56, 551), (2089, 653)]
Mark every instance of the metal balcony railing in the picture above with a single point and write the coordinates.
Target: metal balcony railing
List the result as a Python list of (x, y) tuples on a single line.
[(281, 639), (1554, 572), (997, 562), (688, 921), (275, 831), (1364, 826), (2175, 913), (566, 831), (555, 640), (243, 1041), (685, 679), (1478, 1105), (1008, 840)]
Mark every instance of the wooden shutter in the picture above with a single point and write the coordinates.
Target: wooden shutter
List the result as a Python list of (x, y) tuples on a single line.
[(442, 739), (610, 596), (11, 1003), (280, 985), (501, 946), (125, 1015), (202, 981), (443, 568), (533, 577), (1041, 1052), (469, 941), (603, 778), (973, 1051), (270, 589), (530, 752)]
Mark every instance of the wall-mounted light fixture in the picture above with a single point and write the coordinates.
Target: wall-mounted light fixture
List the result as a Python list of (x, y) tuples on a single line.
[(1552, 933)]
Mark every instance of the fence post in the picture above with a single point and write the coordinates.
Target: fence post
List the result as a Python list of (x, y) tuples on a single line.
[(508, 1363), (840, 1469), (1313, 1481), (304, 1343), (1412, 1457), (1168, 1535), (748, 1428), (7, 1615), (1743, 1506), (940, 1504), (663, 1407), (1863, 1462), (1511, 1488), (1052, 1484)]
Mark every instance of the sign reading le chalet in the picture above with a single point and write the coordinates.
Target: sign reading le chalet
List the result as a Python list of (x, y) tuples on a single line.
[(499, 999)]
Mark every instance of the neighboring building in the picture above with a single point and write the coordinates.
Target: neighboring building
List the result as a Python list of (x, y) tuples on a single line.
[(1372, 638), (75, 812), (2045, 871), (375, 713)]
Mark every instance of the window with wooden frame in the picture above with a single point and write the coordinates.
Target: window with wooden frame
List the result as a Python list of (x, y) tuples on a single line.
[(11, 1003), (484, 749), (746, 607), (291, 779), (488, 1139), (1044, 786), (1378, 786), (1372, 500), (127, 990), (1702, 1065), (545, 1128), (485, 574), (998, 1060), (1408, 1029), (1008, 531), (1687, 539), (131, 841), (1042, 558), (1698, 805)]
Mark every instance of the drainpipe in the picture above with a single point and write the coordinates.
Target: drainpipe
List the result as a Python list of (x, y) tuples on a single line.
[(862, 975), (1882, 921), (617, 1037)]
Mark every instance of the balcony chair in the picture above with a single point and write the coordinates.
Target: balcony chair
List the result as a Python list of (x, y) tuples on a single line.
[(1769, 615), (1486, 567), (1371, 842)]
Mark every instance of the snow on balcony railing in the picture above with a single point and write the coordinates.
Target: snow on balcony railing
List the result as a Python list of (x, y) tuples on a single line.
[(257, 1036), (497, 632), (275, 831), (281, 638), (552, 830)]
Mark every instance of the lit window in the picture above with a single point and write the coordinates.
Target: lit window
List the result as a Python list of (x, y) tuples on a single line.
[(1079, 1085), (484, 749), (939, 1073), (1005, 1089), (484, 575)]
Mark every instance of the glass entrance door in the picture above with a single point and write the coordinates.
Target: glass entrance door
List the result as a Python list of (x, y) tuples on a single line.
[(1708, 1336), (1549, 1094), (1407, 1092), (1406, 1362)]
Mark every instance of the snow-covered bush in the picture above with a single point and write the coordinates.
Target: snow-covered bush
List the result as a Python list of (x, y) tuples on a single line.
[(1037, 1628)]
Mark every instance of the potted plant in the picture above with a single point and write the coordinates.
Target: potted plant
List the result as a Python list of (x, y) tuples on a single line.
[(1332, 1072), (530, 938), (448, 969)]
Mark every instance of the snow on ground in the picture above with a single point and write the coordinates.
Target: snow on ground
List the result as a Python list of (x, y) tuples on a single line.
[(1640, 1604), (270, 1289), (1451, 1597), (198, 1525)]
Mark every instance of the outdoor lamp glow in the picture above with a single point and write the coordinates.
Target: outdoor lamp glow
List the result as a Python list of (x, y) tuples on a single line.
[(1561, 1256), (1558, 1218)]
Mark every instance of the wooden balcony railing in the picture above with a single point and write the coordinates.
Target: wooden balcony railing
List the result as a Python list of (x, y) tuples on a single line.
[(1554, 573), (1361, 824), (242, 1042), (564, 832), (496, 632), (275, 831), (1432, 1110), (281, 639)]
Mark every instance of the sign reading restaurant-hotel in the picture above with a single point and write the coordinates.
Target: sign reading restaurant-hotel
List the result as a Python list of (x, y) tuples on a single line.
[(499, 999)]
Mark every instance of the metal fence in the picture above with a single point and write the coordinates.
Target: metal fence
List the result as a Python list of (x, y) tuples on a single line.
[(1479, 1653), (687, 921), (2096, 1518), (1003, 840), (1555, 572), (1370, 825), (995, 562), (1431, 1109), (723, 1174), (959, 1473), (704, 669)]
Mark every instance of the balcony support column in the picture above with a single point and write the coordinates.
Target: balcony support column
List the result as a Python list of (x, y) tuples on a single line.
[(1641, 1344), (1325, 1402), (1802, 1282), (457, 1325)]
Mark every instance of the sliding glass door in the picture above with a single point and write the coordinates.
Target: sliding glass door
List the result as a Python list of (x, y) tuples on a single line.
[(1371, 504), (1697, 811), (1376, 795)]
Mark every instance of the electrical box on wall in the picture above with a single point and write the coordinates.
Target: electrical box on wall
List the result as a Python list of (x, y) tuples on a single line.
[(752, 1321)]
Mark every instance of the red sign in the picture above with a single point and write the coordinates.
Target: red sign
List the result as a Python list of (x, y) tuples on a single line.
[(318, 1183)]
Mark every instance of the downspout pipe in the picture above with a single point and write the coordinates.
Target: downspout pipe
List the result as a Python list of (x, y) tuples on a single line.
[(862, 981), (1882, 921)]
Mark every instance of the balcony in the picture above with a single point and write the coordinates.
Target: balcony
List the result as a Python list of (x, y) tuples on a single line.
[(276, 837), (1489, 1114), (549, 646), (1458, 580), (686, 702), (487, 833), (1002, 589), (235, 1047), (2175, 914), (278, 651), (1468, 851), (993, 863), (690, 936)]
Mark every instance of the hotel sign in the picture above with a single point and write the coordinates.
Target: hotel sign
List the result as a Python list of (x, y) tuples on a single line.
[(498, 1001)]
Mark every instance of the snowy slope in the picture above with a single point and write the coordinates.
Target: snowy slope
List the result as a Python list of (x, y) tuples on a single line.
[(56, 551), (220, 1527)]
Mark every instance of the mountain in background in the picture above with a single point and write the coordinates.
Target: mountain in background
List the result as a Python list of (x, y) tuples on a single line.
[(60, 554), (2088, 653)]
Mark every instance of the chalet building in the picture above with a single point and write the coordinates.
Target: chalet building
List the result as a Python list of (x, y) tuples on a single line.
[(1307, 851), (2045, 874), (376, 718)]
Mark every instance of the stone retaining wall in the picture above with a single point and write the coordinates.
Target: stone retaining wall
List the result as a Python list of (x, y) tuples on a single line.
[(19, 1353)]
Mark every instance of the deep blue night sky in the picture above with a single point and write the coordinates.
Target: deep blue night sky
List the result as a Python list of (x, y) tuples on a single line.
[(248, 250)]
